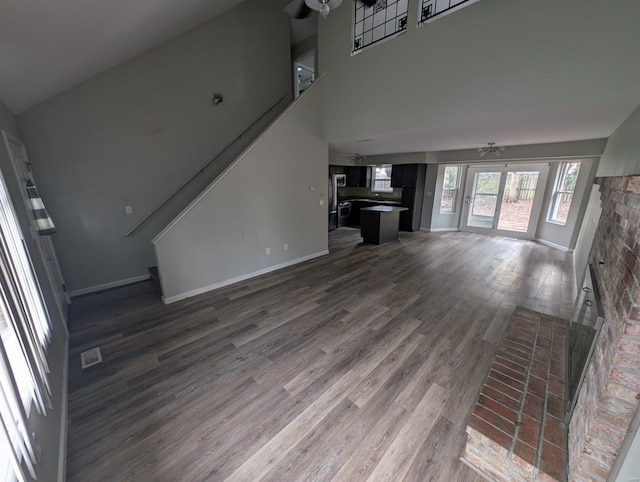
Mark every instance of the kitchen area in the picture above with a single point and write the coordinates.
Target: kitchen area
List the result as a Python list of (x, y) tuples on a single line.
[(362, 194)]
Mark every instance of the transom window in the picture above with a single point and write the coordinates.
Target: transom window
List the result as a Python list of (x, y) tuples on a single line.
[(382, 20), (381, 179), (450, 188), (563, 190), (432, 9)]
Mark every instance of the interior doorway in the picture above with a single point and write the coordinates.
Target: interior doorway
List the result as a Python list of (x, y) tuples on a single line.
[(504, 199), (304, 68)]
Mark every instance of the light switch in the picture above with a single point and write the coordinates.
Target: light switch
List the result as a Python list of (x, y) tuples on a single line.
[(128, 209)]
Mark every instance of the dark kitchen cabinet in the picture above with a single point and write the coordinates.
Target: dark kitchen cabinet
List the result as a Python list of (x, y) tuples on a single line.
[(407, 175), (358, 176), (412, 196), (337, 169), (397, 175)]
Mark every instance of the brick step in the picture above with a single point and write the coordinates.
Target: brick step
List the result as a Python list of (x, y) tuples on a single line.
[(517, 430)]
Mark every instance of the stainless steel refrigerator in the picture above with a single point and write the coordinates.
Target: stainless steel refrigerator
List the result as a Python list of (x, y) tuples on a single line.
[(335, 181)]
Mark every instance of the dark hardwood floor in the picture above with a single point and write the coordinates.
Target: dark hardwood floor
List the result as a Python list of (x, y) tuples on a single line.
[(360, 365)]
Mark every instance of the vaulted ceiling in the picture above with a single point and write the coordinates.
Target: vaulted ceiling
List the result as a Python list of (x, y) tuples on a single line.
[(48, 47)]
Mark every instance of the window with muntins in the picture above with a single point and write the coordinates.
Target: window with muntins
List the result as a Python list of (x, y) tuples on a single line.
[(432, 9), (563, 190), (382, 20), (381, 179), (450, 188)]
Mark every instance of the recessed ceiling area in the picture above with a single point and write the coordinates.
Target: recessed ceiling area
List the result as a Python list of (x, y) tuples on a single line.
[(590, 121)]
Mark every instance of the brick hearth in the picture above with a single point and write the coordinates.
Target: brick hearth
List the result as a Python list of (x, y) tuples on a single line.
[(516, 431)]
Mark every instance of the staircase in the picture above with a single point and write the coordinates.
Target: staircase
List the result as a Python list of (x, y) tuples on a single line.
[(267, 210), (154, 276)]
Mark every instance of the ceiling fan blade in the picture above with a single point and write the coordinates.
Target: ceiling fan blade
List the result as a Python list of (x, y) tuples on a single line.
[(303, 11)]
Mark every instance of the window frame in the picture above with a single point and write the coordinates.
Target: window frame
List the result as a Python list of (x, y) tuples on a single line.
[(24, 339), (558, 192), (400, 20), (456, 190), (423, 6), (374, 179)]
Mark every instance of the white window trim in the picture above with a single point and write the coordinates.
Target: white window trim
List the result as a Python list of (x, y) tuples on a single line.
[(373, 179), (23, 344), (454, 209), (556, 193)]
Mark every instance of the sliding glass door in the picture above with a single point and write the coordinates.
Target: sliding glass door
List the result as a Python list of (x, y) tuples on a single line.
[(504, 200)]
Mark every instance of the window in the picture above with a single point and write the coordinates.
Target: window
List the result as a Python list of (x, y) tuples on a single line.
[(25, 332), (450, 187), (381, 179), (563, 192), (432, 9), (382, 20)]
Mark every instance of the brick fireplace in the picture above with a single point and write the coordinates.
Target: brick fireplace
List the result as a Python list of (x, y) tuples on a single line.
[(609, 395), (501, 440)]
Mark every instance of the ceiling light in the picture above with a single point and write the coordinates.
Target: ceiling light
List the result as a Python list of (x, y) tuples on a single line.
[(492, 149), (323, 6), (358, 158)]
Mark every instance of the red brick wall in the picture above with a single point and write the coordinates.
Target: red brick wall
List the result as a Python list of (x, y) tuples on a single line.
[(609, 396)]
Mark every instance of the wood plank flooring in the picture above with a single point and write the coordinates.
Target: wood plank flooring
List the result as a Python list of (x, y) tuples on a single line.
[(360, 365)]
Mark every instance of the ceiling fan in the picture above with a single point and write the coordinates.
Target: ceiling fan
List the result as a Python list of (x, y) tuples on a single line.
[(306, 7)]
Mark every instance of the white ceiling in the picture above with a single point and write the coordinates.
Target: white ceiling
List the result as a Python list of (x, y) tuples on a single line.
[(49, 46)]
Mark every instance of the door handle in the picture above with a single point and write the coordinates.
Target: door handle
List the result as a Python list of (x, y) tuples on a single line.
[(468, 200), (49, 258)]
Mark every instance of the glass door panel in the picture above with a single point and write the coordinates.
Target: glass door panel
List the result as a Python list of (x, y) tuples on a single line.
[(517, 201), (483, 201)]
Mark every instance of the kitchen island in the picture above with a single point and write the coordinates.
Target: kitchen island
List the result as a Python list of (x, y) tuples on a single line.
[(379, 224)]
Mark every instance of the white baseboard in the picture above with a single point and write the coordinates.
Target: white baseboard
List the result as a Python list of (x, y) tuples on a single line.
[(106, 286), (554, 245), (64, 409), (442, 230), (172, 299)]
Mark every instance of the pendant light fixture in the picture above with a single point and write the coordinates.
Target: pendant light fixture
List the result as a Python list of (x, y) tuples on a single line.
[(323, 6)]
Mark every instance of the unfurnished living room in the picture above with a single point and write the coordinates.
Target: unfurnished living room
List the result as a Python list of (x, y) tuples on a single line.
[(296, 240)]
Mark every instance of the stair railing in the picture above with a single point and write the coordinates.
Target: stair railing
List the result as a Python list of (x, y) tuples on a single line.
[(200, 170)]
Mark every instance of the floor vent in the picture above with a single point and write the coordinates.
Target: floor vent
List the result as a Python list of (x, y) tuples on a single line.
[(90, 357)]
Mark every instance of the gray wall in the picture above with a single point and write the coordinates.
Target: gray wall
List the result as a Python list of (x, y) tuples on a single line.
[(500, 59), (587, 233), (8, 121), (48, 428), (132, 134), (274, 194), (622, 154)]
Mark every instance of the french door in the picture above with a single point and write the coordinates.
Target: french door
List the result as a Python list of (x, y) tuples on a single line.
[(504, 199)]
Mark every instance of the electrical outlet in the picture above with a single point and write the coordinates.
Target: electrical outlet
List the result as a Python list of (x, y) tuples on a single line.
[(321, 202), (268, 251), (128, 209), (286, 247)]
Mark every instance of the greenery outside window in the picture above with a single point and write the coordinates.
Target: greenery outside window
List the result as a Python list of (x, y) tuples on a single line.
[(450, 188), (563, 190), (381, 178)]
